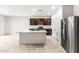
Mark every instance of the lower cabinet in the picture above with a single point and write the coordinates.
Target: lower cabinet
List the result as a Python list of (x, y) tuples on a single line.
[(49, 31)]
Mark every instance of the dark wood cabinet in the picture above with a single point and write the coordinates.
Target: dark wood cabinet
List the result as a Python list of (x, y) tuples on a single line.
[(49, 31), (37, 21), (41, 21)]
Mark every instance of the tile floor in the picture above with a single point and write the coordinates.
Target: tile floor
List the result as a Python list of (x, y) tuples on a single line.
[(10, 44)]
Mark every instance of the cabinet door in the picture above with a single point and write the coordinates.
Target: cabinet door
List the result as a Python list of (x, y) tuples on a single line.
[(49, 31), (47, 21)]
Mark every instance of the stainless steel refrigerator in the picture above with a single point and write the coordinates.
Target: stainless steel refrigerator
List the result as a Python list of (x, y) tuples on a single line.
[(70, 34)]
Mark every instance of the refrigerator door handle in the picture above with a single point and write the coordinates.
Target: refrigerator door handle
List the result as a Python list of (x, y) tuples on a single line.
[(64, 30)]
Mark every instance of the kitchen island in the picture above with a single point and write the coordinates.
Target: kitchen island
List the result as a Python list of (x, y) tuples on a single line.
[(32, 37)]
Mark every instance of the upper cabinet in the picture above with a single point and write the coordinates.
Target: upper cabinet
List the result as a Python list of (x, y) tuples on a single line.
[(40, 21)]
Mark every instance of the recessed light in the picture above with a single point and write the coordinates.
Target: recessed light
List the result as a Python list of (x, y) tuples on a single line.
[(32, 13), (34, 10), (52, 7), (49, 13)]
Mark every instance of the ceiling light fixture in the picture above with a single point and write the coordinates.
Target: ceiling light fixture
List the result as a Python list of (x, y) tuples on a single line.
[(52, 7), (49, 13), (40, 10), (34, 10), (32, 13)]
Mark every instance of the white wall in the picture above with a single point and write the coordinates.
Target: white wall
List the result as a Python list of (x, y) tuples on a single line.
[(12, 24), (20, 24), (76, 10), (70, 10), (67, 11), (2, 25), (17, 24), (56, 24)]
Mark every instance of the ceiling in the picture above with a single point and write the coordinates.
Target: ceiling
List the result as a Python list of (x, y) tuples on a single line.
[(28, 10)]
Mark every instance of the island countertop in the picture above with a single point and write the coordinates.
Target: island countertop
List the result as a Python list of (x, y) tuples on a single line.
[(33, 31)]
